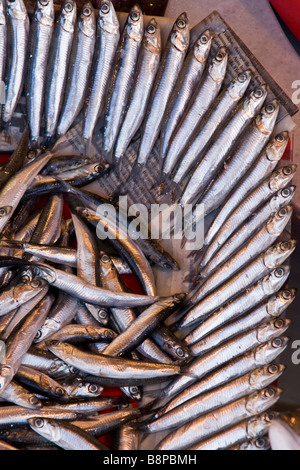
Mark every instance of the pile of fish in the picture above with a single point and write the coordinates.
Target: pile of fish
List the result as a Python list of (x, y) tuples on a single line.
[(194, 370)]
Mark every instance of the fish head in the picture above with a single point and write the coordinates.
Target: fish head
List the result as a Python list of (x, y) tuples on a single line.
[(278, 222), (272, 329), (218, 66), (99, 169), (272, 282), (266, 120), (107, 19), (284, 432), (44, 12), (6, 375), (202, 46), (276, 255), (279, 302), (17, 9), (269, 351), (282, 198), (134, 392), (255, 100), (180, 34), (152, 37), (282, 177), (107, 268), (46, 427), (50, 326), (239, 85), (45, 272), (67, 18), (258, 425), (260, 401), (276, 147), (135, 24), (5, 215), (264, 376), (260, 443), (87, 20), (58, 348)]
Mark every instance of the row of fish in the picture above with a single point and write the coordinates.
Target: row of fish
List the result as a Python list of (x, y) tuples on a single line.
[(201, 365)]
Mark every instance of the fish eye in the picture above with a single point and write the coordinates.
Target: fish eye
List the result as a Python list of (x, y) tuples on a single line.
[(280, 138), (151, 29), (38, 422), (33, 400), (273, 369), (179, 352), (279, 272), (220, 56), (134, 390), (3, 212), (99, 168), (204, 39), (269, 392), (181, 24), (38, 335), (105, 259), (36, 283), (282, 212), (105, 8), (242, 77), (287, 170), (258, 93), (60, 391), (108, 334), (31, 154), (286, 192), (287, 295), (93, 388), (135, 16), (102, 313), (68, 7), (279, 323), (277, 343), (284, 246), (270, 108), (260, 443), (86, 11)]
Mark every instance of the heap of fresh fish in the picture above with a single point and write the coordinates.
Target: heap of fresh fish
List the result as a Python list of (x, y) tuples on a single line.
[(196, 369)]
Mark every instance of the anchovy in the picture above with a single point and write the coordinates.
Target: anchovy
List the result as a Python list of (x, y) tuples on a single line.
[(188, 80), (82, 389), (200, 103), (254, 223), (61, 164), (149, 60), (65, 435), (259, 443), (262, 168), (73, 333), (48, 228), (41, 383), (13, 415), (234, 347), (214, 399), (217, 153), (220, 419), (21, 339), (41, 31), (113, 367), (257, 357), (225, 104), (18, 33), (17, 159), (123, 76), (250, 428), (170, 66), (79, 68), (60, 54), (127, 438), (108, 36), (15, 393), (258, 268), (249, 148), (265, 190), (265, 287), (14, 296), (273, 307)]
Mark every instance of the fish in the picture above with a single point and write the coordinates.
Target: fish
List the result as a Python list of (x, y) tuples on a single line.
[(201, 101), (170, 66), (40, 37), (217, 153), (276, 181), (202, 404), (263, 167), (41, 383), (57, 70), (254, 428), (251, 297), (228, 415), (13, 296), (18, 27), (17, 159), (108, 35), (225, 104), (79, 68), (260, 443), (65, 435), (243, 279), (188, 80), (122, 77), (113, 367), (249, 148), (147, 67), (17, 394)]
